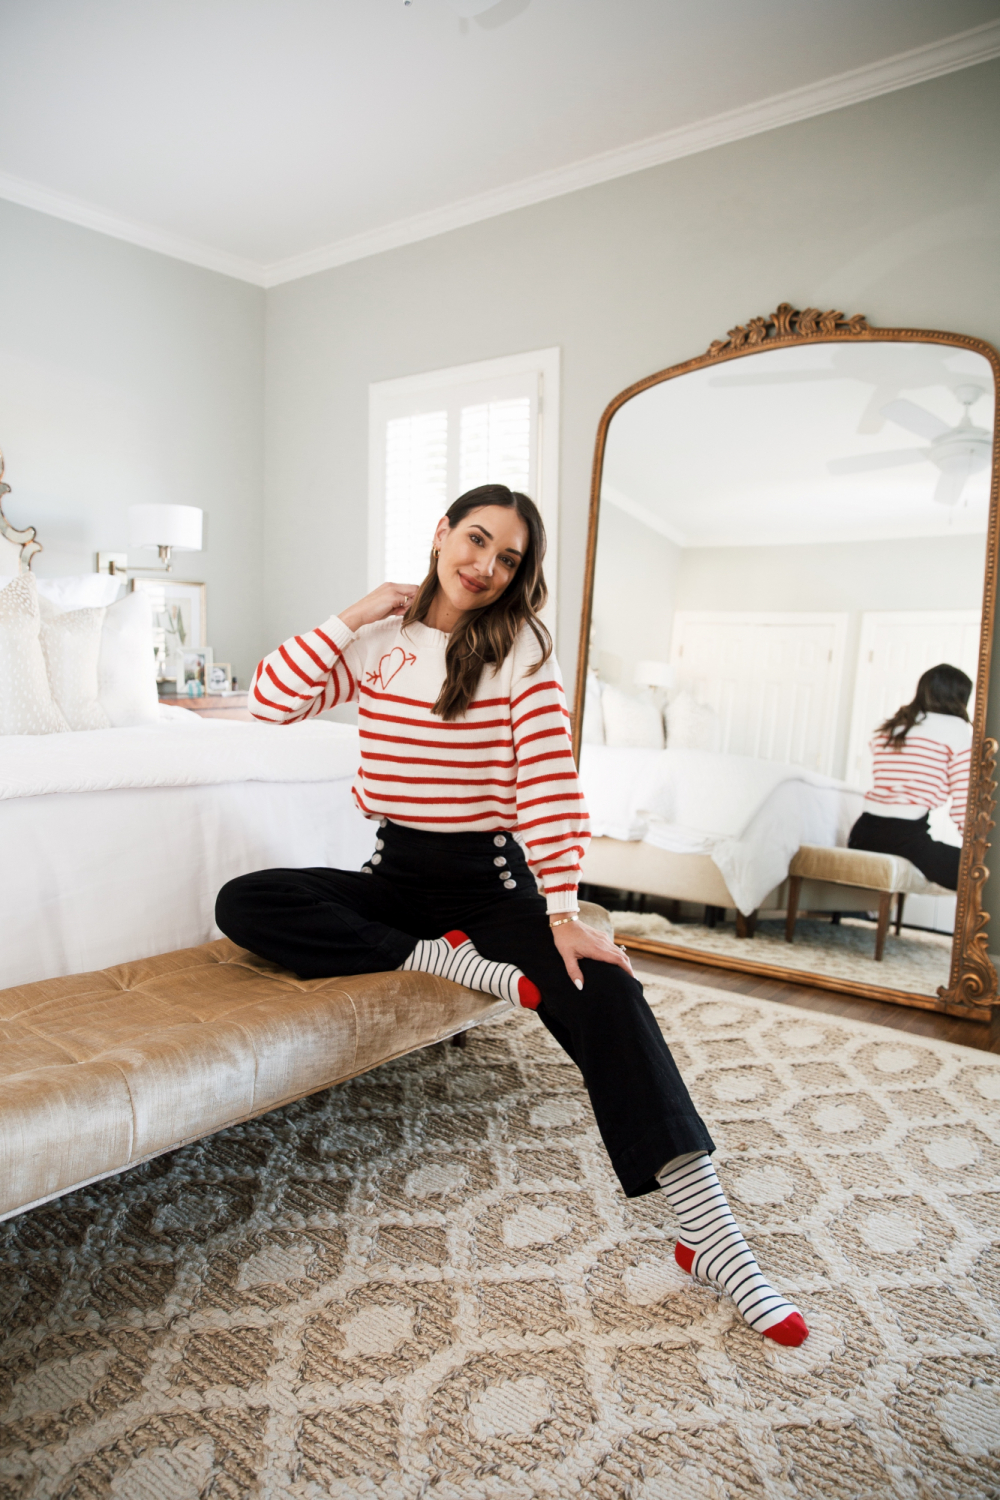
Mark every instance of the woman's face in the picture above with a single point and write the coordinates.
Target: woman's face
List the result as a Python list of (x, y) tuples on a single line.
[(479, 555)]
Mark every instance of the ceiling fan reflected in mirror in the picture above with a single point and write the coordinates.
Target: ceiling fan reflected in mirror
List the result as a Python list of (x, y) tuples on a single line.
[(957, 452)]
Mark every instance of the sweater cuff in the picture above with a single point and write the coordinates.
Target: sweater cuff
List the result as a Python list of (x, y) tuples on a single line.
[(342, 635), (562, 901)]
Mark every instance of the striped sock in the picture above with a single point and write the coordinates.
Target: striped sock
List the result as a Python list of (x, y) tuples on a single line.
[(454, 957), (712, 1248)]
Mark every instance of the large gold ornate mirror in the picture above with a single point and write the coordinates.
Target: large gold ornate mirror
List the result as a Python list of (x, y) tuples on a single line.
[(786, 534)]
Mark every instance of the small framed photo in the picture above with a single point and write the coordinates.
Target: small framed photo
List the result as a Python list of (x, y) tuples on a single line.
[(194, 670), (179, 619), (220, 677)]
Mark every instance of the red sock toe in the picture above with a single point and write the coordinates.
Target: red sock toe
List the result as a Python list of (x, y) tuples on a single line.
[(791, 1331), (684, 1256), (456, 939), (529, 994)]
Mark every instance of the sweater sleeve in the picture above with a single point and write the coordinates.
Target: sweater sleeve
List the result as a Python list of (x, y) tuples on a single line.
[(552, 816), (959, 766), (307, 674)]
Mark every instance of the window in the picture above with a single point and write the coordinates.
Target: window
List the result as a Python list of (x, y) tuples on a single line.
[(434, 436)]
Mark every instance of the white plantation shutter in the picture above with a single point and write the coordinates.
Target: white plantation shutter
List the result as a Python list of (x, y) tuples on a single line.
[(432, 437), (495, 444), (416, 487)]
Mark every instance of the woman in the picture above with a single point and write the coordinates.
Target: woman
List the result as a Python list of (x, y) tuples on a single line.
[(921, 761), (467, 765)]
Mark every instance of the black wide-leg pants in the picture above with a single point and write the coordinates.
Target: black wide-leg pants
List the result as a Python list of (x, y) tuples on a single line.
[(323, 922)]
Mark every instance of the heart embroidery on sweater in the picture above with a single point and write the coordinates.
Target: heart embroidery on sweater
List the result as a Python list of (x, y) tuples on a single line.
[(392, 662)]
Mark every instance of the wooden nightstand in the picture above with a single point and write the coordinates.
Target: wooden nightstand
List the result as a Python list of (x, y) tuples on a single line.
[(213, 706)]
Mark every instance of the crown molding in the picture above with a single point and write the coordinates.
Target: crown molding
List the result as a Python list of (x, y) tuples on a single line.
[(919, 65), (88, 216), (980, 44)]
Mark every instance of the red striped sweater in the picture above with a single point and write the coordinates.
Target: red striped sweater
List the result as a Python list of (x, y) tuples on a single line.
[(930, 770), (505, 765)]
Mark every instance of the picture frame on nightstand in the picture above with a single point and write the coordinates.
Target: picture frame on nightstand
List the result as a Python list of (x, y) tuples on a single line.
[(192, 671), (220, 678), (179, 610)]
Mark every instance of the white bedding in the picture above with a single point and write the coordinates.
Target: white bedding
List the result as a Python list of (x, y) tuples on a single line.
[(181, 750), (748, 815), (115, 842)]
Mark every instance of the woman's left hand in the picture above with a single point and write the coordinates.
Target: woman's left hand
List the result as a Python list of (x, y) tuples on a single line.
[(575, 940)]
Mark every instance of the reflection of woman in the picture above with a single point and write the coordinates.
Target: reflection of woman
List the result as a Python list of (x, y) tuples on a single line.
[(465, 744), (921, 761)]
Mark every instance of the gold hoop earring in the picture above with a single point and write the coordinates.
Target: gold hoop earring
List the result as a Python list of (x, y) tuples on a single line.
[(435, 552)]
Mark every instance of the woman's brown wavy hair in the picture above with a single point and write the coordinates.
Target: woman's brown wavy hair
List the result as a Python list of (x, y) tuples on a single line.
[(941, 690), (485, 638)]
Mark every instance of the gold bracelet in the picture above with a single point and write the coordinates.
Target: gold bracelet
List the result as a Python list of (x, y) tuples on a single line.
[(575, 917)]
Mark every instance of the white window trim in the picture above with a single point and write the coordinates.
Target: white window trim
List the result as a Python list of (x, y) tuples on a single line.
[(545, 363)]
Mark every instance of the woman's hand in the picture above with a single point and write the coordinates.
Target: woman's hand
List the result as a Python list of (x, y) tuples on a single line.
[(575, 941), (383, 603)]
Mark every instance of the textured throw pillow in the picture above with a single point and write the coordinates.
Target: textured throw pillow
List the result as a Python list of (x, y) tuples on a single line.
[(80, 590), (631, 723), (593, 713), (71, 643), (126, 668), (692, 725), (26, 702)]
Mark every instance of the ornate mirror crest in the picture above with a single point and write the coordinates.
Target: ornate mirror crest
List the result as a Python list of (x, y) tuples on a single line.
[(971, 990), (23, 539)]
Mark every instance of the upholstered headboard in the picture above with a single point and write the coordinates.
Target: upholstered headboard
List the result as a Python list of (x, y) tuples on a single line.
[(17, 548)]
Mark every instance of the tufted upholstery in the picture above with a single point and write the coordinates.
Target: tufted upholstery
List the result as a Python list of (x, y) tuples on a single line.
[(862, 868), (101, 1071)]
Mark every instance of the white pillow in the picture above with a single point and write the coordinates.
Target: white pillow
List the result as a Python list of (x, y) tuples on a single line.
[(82, 591), (593, 714), (71, 644), (631, 723), (26, 702), (126, 667), (692, 725)]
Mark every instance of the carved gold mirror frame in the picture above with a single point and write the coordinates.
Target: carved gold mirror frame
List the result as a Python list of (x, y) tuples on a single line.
[(971, 991), (22, 539)]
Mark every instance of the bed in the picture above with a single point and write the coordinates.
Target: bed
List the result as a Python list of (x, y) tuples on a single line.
[(704, 827), (116, 841), (120, 818)]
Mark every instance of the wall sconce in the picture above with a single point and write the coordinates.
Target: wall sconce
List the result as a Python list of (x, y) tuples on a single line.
[(162, 528), (655, 676)]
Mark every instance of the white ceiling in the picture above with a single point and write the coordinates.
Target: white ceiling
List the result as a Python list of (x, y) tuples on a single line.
[(270, 138), (736, 455)]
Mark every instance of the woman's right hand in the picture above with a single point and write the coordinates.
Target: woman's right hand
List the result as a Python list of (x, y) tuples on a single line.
[(389, 600)]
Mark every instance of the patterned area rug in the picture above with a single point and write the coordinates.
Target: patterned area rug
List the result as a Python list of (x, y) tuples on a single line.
[(426, 1283), (915, 961)]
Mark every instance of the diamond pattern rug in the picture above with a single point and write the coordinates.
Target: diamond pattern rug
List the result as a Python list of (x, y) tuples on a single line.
[(427, 1283), (915, 961)]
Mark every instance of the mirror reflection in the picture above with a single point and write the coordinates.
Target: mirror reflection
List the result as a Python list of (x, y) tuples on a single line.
[(785, 634)]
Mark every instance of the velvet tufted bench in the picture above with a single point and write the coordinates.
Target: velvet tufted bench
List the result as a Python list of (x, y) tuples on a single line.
[(866, 873), (101, 1071)]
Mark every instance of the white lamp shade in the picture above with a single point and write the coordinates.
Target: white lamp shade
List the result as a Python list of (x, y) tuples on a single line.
[(653, 674), (177, 526)]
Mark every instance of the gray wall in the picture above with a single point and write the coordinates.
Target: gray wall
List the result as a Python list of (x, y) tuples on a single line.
[(891, 208), (635, 595), (127, 377)]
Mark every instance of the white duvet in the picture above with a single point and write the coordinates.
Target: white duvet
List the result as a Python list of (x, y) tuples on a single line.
[(181, 750), (749, 815), (114, 843)]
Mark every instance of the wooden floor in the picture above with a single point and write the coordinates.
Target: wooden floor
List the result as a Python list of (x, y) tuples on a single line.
[(781, 992)]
